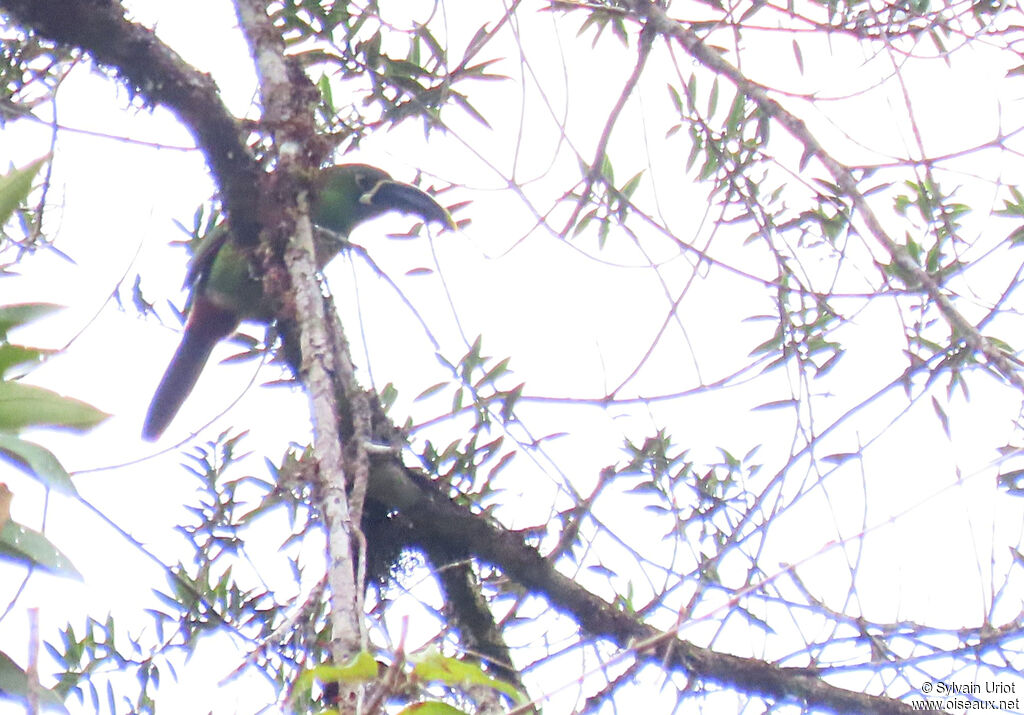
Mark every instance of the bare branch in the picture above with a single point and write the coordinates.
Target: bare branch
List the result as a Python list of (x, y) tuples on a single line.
[(158, 74)]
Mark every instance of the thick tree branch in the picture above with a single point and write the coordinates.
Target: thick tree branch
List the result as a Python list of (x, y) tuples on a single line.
[(155, 72), (159, 75), (287, 99), (432, 521)]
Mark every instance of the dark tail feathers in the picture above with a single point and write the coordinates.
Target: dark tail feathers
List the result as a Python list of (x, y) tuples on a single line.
[(178, 380)]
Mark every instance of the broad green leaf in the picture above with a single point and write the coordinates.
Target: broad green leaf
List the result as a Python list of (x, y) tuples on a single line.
[(432, 666), (37, 461), (14, 682), (16, 186), (361, 668), (18, 355), (24, 405), (11, 316), (23, 545)]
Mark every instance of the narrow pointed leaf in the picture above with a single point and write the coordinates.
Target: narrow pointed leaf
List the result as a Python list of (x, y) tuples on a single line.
[(37, 461), (21, 544), (15, 188)]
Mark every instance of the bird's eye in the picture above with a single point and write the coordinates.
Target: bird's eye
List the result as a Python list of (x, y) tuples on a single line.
[(365, 182)]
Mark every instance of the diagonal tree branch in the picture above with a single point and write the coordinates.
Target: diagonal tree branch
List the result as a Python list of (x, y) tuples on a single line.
[(433, 521), (158, 74), (655, 17)]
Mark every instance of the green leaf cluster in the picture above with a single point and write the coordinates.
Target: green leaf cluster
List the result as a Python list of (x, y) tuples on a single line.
[(24, 406)]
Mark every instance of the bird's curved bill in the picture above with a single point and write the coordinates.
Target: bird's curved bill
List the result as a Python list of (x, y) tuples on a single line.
[(396, 196)]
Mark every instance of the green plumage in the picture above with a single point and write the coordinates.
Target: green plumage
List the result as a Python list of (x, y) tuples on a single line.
[(225, 291)]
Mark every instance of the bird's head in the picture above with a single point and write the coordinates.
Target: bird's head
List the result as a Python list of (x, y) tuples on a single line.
[(348, 194)]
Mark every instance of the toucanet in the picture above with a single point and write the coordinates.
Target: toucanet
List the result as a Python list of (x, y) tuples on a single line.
[(225, 290)]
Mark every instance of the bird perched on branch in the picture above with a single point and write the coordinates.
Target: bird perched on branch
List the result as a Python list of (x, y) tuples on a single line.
[(225, 291)]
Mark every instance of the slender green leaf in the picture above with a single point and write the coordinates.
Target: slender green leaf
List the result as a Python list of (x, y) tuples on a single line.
[(27, 546), (16, 186), (37, 461)]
